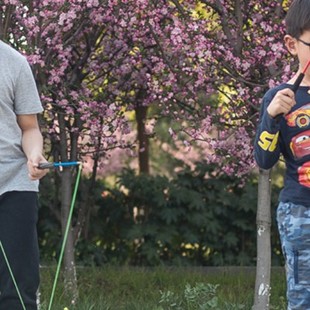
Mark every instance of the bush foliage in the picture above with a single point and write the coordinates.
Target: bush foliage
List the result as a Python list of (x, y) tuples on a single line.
[(201, 217)]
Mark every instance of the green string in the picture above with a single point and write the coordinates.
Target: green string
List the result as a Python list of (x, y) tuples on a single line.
[(12, 276), (65, 236)]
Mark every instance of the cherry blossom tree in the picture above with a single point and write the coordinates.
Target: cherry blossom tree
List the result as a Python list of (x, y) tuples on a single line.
[(62, 40), (205, 64)]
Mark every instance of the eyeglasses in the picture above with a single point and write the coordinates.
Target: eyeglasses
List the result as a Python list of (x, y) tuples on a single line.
[(302, 41)]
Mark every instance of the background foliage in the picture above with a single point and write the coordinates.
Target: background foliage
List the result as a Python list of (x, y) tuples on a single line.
[(200, 217), (202, 64)]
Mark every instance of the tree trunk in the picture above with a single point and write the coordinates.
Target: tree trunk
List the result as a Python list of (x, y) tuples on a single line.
[(263, 221), (86, 203), (69, 260), (143, 139), (66, 176), (143, 144), (5, 21)]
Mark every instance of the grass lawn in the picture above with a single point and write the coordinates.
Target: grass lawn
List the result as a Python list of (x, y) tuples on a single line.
[(112, 288)]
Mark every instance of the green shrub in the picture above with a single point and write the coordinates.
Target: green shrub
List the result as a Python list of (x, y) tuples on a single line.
[(200, 217)]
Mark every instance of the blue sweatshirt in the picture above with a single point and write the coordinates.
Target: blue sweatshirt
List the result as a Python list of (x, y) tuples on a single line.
[(288, 135)]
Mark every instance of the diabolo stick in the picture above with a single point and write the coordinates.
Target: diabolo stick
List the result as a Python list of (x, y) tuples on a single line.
[(300, 77)]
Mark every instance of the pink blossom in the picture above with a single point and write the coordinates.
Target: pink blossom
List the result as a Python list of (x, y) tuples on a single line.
[(97, 61)]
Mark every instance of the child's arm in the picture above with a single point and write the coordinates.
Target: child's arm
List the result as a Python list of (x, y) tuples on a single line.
[(267, 145)]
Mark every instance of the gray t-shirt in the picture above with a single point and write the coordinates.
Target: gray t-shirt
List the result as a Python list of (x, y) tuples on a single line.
[(18, 96)]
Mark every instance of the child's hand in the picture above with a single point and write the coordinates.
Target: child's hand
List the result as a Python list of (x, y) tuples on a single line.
[(282, 103)]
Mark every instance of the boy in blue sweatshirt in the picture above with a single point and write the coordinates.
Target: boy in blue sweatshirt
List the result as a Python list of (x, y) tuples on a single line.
[(284, 128)]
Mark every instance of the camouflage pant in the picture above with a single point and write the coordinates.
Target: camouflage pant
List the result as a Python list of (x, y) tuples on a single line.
[(294, 228)]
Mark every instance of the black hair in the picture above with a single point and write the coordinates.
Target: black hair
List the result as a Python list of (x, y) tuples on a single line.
[(297, 19)]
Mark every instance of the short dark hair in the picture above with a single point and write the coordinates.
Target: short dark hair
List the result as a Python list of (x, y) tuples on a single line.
[(297, 19)]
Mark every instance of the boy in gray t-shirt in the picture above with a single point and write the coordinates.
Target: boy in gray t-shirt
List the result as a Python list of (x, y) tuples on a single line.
[(21, 147)]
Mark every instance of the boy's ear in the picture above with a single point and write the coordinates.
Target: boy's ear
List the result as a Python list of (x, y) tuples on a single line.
[(290, 44)]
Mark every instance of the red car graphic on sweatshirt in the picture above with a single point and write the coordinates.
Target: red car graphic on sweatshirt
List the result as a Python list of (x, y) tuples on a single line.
[(300, 144), (299, 118), (304, 174)]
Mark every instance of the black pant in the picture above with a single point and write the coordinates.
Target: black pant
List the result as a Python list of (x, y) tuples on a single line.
[(18, 235)]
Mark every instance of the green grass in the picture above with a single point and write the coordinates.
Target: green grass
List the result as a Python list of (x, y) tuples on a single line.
[(112, 288)]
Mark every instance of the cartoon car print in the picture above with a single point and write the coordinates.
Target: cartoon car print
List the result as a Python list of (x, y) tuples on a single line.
[(300, 144), (304, 174), (300, 117)]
